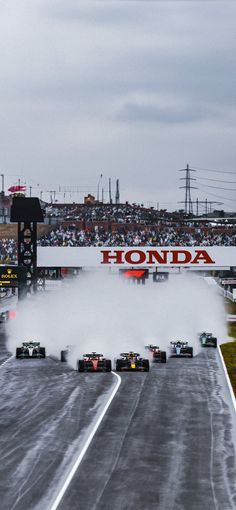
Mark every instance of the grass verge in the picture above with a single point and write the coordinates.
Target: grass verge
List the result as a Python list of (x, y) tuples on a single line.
[(229, 355), (230, 308)]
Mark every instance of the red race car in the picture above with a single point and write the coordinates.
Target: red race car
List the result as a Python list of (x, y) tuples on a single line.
[(94, 362), (158, 356)]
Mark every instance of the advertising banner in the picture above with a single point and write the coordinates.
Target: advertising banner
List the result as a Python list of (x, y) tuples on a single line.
[(12, 276), (191, 257)]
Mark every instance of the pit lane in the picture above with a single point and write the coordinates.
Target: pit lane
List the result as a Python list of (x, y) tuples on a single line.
[(166, 442)]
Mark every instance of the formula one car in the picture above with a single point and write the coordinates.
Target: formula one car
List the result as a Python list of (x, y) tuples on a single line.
[(132, 361), (94, 362), (30, 350), (180, 350), (207, 339), (158, 356)]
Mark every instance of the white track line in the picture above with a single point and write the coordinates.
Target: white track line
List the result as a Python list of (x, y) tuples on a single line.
[(227, 378), (85, 447), (6, 361)]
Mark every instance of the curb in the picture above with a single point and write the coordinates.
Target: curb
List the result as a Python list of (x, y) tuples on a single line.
[(227, 378)]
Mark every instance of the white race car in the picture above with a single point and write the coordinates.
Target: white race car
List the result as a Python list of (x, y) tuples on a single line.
[(30, 350)]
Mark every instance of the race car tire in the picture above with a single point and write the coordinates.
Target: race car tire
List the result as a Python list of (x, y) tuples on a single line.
[(190, 350), (18, 352), (215, 343), (146, 365), (118, 365), (163, 357), (108, 365), (81, 365), (63, 356), (42, 351)]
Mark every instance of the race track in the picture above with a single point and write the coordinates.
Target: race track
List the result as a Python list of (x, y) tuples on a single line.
[(166, 443)]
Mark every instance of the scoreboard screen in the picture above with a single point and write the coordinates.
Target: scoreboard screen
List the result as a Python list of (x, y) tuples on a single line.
[(134, 274), (160, 277)]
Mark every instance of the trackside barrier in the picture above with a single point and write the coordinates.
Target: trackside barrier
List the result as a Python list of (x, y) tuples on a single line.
[(7, 304), (231, 318), (227, 378), (225, 293)]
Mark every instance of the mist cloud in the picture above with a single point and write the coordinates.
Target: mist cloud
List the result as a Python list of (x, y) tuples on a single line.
[(102, 313)]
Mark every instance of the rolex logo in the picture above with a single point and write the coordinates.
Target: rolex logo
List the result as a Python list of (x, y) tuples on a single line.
[(9, 274)]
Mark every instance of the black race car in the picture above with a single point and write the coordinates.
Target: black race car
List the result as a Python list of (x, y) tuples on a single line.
[(94, 362), (180, 350), (132, 361), (207, 339), (30, 350), (158, 356)]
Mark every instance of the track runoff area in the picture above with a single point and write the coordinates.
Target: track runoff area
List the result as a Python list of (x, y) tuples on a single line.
[(159, 439)]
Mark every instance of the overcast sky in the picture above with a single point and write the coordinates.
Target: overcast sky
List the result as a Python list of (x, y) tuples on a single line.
[(130, 89)]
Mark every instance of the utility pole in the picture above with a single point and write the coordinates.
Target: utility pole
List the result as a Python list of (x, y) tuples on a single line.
[(117, 191), (2, 176), (30, 188), (188, 201), (99, 180), (205, 203), (110, 199)]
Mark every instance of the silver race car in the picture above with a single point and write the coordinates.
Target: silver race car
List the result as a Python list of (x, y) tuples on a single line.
[(30, 350)]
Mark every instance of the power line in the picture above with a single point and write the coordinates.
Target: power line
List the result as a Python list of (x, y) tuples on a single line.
[(219, 187), (217, 180), (215, 171), (218, 196)]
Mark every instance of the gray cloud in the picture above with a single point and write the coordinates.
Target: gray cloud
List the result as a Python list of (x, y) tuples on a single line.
[(152, 113), (112, 85)]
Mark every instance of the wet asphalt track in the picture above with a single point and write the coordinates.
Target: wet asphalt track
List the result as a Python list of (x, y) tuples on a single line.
[(166, 443)]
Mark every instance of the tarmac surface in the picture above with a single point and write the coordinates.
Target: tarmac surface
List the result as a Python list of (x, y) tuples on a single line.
[(167, 441)]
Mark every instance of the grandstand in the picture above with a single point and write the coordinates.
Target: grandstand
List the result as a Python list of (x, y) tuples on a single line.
[(121, 225)]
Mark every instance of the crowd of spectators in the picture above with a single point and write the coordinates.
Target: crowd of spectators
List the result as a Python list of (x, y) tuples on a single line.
[(8, 251), (97, 236), (115, 213), (124, 225), (164, 236)]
